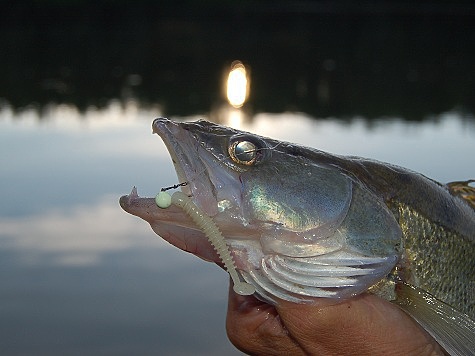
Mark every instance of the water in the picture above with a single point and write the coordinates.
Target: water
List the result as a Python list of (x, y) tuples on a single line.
[(80, 276)]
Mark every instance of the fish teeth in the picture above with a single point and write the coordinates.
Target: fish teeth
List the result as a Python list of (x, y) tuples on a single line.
[(133, 194), (129, 199)]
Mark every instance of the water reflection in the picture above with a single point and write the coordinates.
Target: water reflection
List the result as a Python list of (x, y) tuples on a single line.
[(237, 85), (326, 58), (80, 235), (227, 115), (81, 276)]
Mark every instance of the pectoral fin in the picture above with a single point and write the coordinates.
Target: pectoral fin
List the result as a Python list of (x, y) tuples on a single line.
[(453, 330)]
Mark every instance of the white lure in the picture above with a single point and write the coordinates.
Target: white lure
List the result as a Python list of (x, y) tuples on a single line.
[(211, 231)]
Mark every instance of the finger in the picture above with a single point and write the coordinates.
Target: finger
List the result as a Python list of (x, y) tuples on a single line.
[(254, 327)]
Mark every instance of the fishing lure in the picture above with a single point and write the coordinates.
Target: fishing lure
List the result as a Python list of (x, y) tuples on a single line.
[(211, 231)]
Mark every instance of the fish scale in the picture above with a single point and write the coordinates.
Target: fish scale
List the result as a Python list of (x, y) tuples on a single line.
[(437, 260)]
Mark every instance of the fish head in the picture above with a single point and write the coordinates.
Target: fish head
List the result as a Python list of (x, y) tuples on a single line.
[(285, 211)]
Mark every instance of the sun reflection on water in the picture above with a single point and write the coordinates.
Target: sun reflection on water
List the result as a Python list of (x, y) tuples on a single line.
[(237, 85)]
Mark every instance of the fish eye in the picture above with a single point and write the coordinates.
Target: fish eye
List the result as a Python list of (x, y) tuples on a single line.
[(243, 152)]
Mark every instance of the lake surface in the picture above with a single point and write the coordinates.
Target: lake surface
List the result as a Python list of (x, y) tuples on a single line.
[(80, 276)]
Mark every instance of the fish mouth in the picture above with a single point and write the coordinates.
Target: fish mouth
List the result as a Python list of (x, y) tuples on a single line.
[(191, 163)]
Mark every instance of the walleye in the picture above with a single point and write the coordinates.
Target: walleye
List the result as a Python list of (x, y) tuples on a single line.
[(303, 224)]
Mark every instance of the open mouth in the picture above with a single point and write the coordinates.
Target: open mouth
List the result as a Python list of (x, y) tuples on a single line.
[(172, 224), (171, 135), (190, 161)]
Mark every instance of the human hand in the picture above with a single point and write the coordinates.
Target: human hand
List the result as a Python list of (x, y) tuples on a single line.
[(364, 325)]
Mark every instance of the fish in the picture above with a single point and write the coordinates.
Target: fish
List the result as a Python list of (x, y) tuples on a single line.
[(302, 224)]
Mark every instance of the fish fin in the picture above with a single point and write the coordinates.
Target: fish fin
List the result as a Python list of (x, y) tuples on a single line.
[(453, 330), (463, 190)]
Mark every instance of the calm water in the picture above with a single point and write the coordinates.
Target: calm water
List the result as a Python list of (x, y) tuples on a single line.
[(80, 276)]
